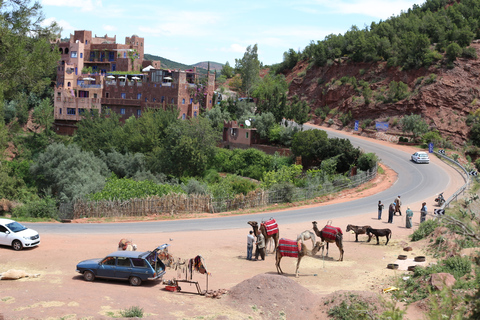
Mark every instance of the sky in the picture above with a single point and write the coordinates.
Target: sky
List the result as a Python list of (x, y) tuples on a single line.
[(191, 31)]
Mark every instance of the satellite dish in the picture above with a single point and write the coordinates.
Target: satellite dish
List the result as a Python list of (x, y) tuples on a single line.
[(248, 123)]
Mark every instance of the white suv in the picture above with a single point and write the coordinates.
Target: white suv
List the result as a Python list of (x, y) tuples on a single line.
[(17, 235)]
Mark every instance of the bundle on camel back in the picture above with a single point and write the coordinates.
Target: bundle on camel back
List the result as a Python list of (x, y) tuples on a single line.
[(126, 245), (330, 234), (358, 230), (269, 229), (294, 249), (13, 274)]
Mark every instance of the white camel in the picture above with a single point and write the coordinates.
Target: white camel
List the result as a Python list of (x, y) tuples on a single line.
[(306, 235)]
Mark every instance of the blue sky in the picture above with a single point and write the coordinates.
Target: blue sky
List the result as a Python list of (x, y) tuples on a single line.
[(191, 31)]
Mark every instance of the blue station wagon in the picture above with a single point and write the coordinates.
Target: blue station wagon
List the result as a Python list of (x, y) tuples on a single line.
[(125, 265)]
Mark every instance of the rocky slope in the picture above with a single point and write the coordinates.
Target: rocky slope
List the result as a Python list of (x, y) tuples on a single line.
[(443, 96)]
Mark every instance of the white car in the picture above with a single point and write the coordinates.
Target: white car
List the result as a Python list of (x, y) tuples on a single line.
[(17, 235), (420, 157)]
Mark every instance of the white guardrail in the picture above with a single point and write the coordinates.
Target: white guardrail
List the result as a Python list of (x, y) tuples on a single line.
[(466, 177)]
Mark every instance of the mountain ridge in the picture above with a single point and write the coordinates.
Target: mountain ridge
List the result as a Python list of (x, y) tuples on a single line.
[(170, 64)]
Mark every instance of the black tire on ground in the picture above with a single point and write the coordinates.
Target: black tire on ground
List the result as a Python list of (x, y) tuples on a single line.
[(88, 276), (17, 245), (135, 281)]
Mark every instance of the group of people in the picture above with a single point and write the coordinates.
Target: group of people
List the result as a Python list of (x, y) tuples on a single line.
[(395, 207), (260, 246)]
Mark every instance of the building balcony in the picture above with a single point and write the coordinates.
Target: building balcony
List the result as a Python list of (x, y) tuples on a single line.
[(91, 86)]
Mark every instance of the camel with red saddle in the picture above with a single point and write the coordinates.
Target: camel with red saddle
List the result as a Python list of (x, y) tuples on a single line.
[(269, 229), (294, 249)]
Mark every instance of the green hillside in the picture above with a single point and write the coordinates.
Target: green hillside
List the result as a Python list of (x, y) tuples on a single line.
[(169, 64)]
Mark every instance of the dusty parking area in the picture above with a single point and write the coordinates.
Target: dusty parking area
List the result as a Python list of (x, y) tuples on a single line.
[(61, 293)]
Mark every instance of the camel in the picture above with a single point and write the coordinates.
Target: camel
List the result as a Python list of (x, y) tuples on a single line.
[(305, 235), (301, 253), (323, 235), (13, 274), (126, 245), (263, 230)]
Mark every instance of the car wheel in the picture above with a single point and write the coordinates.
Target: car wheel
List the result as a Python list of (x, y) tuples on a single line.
[(135, 281), (88, 276), (17, 245)]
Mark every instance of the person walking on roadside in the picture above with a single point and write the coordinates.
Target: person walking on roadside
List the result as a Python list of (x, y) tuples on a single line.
[(260, 250), (250, 242), (398, 203), (391, 212), (408, 221), (380, 208), (423, 212)]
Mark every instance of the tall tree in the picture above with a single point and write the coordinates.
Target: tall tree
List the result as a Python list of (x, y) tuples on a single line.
[(227, 70), (27, 58), (249, 68), (188, 147)]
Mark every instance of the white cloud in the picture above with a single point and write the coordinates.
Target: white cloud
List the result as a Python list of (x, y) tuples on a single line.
[(235, 47), (66, 27), (84, 5), (109, 27)]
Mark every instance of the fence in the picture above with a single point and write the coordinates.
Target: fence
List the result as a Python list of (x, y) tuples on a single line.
[(175, 204)]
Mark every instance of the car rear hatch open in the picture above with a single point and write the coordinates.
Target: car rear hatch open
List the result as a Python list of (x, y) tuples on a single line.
[(154, 260)]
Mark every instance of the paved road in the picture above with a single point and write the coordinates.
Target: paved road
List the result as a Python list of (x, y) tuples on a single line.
[(415, 183)]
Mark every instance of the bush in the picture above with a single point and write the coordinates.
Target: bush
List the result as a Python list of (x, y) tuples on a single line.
[(283, 192), (469, 52), (453, 51), (425, 229), (132, 312), (367, 161), (40, 208), (431, 79), (194, 186)]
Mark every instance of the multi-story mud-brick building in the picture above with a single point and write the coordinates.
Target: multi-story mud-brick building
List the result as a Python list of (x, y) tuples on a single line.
[(126, 94)]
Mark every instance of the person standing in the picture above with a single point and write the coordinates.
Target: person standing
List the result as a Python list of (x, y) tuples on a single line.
[(250, 242), (391, 212), (380, 208), (260, 250), (423, 212), (408, 221), (398, 203)]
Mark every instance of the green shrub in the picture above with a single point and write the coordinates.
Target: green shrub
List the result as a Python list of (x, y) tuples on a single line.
[(40, 208), (457, 266), (282, 192), (431, 79), (425, 229), (351, 308), (469, 52), (367, 161), (132, 312)]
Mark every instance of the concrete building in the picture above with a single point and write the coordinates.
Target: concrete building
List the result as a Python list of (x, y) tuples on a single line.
[(145, 86)]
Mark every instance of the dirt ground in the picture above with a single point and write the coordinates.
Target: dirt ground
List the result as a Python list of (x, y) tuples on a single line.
[(255, 289)]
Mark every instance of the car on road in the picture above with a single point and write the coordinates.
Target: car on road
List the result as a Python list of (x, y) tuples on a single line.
[(420, 157), (16, 235), (133, 266)]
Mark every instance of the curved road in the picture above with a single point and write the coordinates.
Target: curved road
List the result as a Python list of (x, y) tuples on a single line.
[(415, 183)]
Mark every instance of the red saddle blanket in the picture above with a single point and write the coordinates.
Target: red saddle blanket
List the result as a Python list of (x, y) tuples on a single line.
[(271, 226), (330, 232), (289, 248)]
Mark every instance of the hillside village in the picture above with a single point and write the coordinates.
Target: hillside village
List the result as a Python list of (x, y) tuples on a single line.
[(95, 129)]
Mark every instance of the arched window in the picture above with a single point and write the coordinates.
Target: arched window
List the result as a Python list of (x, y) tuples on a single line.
[(61, 50), (66, 50), (68, 84)]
